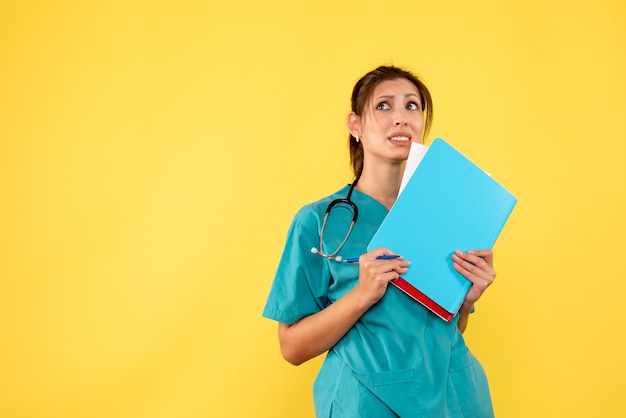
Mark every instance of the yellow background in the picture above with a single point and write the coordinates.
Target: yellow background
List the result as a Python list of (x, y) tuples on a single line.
[(152, 155)]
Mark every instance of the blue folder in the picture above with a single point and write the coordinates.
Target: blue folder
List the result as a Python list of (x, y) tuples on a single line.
[(448, 204)]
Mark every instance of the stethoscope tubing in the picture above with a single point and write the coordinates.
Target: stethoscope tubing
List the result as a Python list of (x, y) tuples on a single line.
[(355, 215)]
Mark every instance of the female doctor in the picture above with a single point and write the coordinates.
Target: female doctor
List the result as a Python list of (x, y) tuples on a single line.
[(388, 356)]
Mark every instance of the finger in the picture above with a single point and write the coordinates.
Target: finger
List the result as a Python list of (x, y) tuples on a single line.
[(381, 251), (467, 263), (386, 266), (470, 266), (474, 257), (377, 252), (486, 255), (377, 268), (468, 257), (485, 263), (390, 276), (477, 281)]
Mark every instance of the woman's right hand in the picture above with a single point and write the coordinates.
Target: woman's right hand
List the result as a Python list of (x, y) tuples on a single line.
[(375, 274), (317, 333)]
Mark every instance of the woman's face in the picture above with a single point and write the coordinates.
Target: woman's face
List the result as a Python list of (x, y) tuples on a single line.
[(391, 120)]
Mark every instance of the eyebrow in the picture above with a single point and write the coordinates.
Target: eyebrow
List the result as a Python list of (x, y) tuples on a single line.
[(391, 96)]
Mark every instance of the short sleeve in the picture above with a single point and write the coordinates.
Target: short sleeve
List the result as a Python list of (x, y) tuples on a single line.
[(300, 286)]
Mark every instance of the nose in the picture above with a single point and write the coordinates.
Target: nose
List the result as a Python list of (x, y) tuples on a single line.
[(399, 118), (400, 121)]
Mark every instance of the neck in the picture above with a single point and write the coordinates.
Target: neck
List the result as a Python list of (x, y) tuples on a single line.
[(382, 183)]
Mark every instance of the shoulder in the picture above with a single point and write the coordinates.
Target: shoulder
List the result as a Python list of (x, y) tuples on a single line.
[(314, 211)]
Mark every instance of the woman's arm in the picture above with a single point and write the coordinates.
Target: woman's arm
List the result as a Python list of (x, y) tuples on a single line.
[(464, 313), (477, 267), (317, 333)]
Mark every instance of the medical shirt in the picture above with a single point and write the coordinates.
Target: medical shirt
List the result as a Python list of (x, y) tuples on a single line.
[(399, 359)]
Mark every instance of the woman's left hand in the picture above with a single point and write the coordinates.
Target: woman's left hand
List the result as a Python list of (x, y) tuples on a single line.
[(477, 267)]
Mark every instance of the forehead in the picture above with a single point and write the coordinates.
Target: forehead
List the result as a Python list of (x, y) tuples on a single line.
[(397, 87)]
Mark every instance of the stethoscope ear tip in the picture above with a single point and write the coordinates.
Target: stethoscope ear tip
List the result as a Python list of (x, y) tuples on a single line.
[(338, 258)]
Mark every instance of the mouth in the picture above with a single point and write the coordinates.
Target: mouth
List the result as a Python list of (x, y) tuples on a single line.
[(400, 138)]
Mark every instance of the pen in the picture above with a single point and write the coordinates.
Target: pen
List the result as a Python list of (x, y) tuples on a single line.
[(380, 257)]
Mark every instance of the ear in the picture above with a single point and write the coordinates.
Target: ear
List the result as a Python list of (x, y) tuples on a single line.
[(354, 124)]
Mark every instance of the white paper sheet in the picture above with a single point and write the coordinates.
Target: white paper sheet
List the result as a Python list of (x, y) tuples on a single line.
[(416, 153)]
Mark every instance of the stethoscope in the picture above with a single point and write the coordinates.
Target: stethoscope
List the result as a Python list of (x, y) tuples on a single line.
[(355, 214)]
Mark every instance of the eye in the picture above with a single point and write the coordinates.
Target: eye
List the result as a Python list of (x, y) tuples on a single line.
[(412, 106), (382, 106)]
